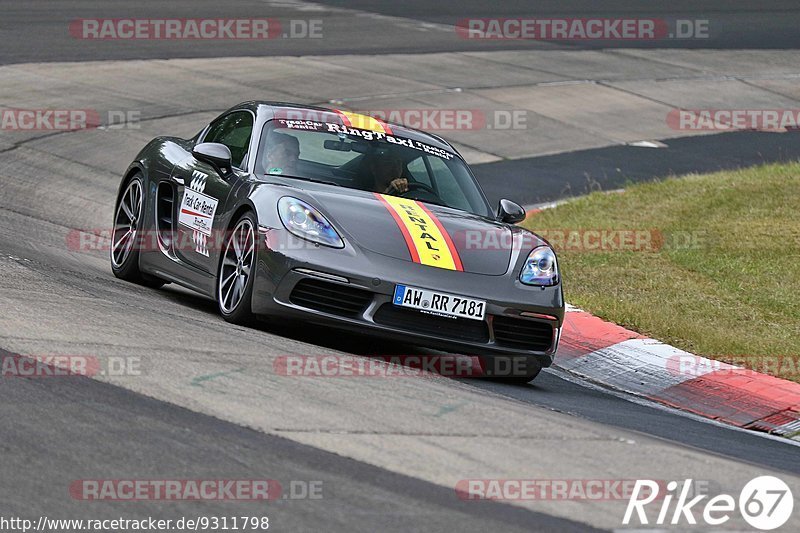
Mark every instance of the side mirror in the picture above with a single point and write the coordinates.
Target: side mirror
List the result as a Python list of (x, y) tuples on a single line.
[(216, 154), (510, 212)]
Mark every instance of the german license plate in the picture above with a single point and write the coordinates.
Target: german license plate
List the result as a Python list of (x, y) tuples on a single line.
[(438, 302)]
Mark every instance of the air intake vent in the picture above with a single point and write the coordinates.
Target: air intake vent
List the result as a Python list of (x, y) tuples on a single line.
[(522, 334), (332, 298)]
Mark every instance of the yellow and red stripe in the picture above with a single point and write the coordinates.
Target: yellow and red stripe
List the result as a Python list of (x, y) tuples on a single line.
[(426, 238), (364, 122)]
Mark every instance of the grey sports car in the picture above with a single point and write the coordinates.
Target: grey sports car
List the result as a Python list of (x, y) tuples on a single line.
[(282, 211)]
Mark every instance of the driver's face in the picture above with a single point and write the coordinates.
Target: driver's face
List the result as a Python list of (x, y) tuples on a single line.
[(386, 169)]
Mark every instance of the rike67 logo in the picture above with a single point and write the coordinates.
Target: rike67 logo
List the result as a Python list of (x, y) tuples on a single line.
[(765, 503)]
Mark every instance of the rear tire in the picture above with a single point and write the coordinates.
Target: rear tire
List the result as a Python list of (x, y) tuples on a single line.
[(124, 246), (237, 272)]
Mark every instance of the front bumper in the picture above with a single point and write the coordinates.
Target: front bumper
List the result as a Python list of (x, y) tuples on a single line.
[(514, 312)]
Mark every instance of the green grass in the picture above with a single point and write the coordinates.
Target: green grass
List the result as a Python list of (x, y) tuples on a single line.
[(732, 293)]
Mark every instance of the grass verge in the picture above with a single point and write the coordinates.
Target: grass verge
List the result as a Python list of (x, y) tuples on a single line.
[(708, 263)]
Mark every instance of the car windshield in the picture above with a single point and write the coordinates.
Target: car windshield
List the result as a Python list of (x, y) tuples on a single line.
[(370, 161)]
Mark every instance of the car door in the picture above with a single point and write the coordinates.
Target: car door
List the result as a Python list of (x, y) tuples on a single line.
[(204, 189)]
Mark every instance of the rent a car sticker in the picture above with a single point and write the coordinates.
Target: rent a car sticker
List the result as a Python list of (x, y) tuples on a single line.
[(427, 240), (197, 211)]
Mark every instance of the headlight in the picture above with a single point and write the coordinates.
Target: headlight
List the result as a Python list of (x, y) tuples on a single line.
[(307, 223), (540, 268)]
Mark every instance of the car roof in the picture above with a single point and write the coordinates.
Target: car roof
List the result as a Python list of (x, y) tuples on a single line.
[(291, 109)]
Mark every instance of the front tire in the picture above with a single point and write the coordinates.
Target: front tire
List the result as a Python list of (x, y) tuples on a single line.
[(124, 245), (237, 272)]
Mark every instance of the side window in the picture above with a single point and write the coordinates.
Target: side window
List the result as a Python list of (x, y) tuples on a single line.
[(216, 127), (234, 131), (418, 171), (447, 184)]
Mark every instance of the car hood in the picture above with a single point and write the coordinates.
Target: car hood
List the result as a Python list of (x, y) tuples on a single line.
[(478, 245)]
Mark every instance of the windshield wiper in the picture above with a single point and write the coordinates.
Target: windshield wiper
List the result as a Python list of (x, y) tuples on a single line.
[(303, 178)]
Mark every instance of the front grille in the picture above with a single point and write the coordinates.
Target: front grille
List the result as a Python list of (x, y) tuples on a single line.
[(416, 321), (522, 334), (332, 298)]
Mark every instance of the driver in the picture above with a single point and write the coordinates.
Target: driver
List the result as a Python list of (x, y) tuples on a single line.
[(386, 172), (282, 154)]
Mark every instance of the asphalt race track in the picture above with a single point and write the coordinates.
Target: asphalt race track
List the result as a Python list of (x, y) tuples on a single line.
[(34, 31), (205, 401)]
